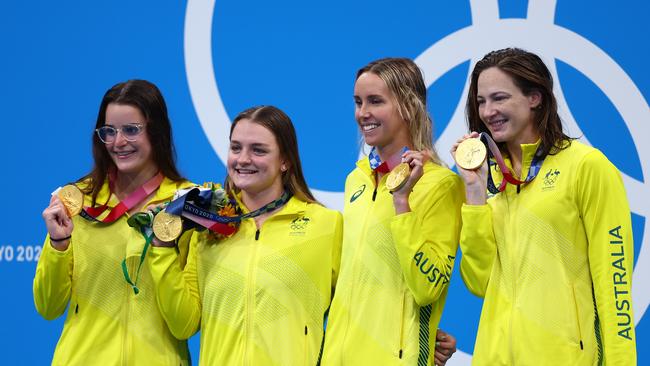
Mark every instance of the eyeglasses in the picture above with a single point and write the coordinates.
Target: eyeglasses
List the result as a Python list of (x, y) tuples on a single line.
[(130, 132)]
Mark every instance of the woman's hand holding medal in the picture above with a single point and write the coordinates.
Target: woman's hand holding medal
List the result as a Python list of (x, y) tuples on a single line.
[(404, 176), (470, 156), (65, 203)]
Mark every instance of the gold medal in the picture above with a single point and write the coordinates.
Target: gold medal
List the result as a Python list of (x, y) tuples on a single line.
[(167, 227), (470, 154), (398, 176), (72, 199)]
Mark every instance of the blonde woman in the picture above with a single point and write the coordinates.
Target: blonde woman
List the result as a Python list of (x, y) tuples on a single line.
[(398, 247)]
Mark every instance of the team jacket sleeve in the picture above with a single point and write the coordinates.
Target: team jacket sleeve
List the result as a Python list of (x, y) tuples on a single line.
[(336, 249), (53, 280), (426, 240), (177, 289), (478, 248), (605, 213)]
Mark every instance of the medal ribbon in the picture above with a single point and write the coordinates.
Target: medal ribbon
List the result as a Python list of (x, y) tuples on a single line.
[(384, 167), (188, 206), (141, 221), (508, 176), (142, 192)]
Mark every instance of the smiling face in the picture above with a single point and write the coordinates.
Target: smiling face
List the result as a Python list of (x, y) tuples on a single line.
[(130, 157), (255, 164), (504, 109), (376, 113)]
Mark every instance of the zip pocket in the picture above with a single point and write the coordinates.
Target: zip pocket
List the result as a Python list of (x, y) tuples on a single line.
[(575, 302), (306, 348), (401, 328)]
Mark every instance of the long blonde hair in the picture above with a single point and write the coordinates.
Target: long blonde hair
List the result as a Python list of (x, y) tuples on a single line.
[(404, 79)]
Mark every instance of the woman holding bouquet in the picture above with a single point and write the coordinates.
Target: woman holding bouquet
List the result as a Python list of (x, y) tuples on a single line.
[(259, 295)]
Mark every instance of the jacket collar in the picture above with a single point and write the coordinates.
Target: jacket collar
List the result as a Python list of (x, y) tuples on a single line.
[(527, 155)]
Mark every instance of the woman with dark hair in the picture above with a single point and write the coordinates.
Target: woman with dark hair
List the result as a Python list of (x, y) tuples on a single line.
[(92, 263), (260, 295), (400, 240), (551, 253)]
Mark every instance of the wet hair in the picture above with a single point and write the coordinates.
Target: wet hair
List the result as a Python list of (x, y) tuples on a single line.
[(280, 125), (530, 75), (405, 81), (146, 97)]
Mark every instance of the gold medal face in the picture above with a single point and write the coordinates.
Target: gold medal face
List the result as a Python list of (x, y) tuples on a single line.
[(398, 177), (470, 154), (72, 199), (167, 227)]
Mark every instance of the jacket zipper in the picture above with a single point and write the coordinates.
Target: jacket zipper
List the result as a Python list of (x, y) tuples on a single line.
[(125, 334), (354, 268), (575, 303), (250, 296), (514, 275), (401, 328)]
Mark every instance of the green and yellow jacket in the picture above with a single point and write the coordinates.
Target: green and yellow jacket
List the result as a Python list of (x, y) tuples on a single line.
[(260, 296), (106, 323), (553, 260), (395, 269)]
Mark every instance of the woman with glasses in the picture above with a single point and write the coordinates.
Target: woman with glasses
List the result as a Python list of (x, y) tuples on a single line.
[(92, 263), (260, 295), (552, 252), (400, 239)]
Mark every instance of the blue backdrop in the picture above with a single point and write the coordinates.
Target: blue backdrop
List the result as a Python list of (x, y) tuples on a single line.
[(211, 60)]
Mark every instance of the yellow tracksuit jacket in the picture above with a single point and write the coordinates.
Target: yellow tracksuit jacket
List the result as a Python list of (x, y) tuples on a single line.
[(106, 324), (554, 264), (260, 295), (395, 270)]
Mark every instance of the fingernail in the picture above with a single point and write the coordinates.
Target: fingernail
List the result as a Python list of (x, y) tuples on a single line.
[(437, 344)]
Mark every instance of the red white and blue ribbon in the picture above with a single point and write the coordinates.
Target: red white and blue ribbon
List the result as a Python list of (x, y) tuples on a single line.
[(508, 176), (195, 203), (132, 200), (379, 166)]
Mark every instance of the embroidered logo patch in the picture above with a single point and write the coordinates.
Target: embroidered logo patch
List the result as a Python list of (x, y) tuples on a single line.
[(298, 225), (550, 179), (358, 193)]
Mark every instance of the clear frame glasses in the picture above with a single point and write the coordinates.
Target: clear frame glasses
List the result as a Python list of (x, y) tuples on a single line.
[(129, 131)]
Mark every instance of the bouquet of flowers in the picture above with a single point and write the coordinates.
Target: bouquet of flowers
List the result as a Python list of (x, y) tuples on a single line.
[(224, 207)]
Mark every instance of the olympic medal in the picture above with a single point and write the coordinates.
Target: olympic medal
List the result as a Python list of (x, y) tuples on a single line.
[(167, 227), (470, 154), (398, 176), (72, 199)]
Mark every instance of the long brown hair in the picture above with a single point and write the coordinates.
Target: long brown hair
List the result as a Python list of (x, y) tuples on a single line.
[(529, 74), (280, 125), (405, 81), (146, 97)]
